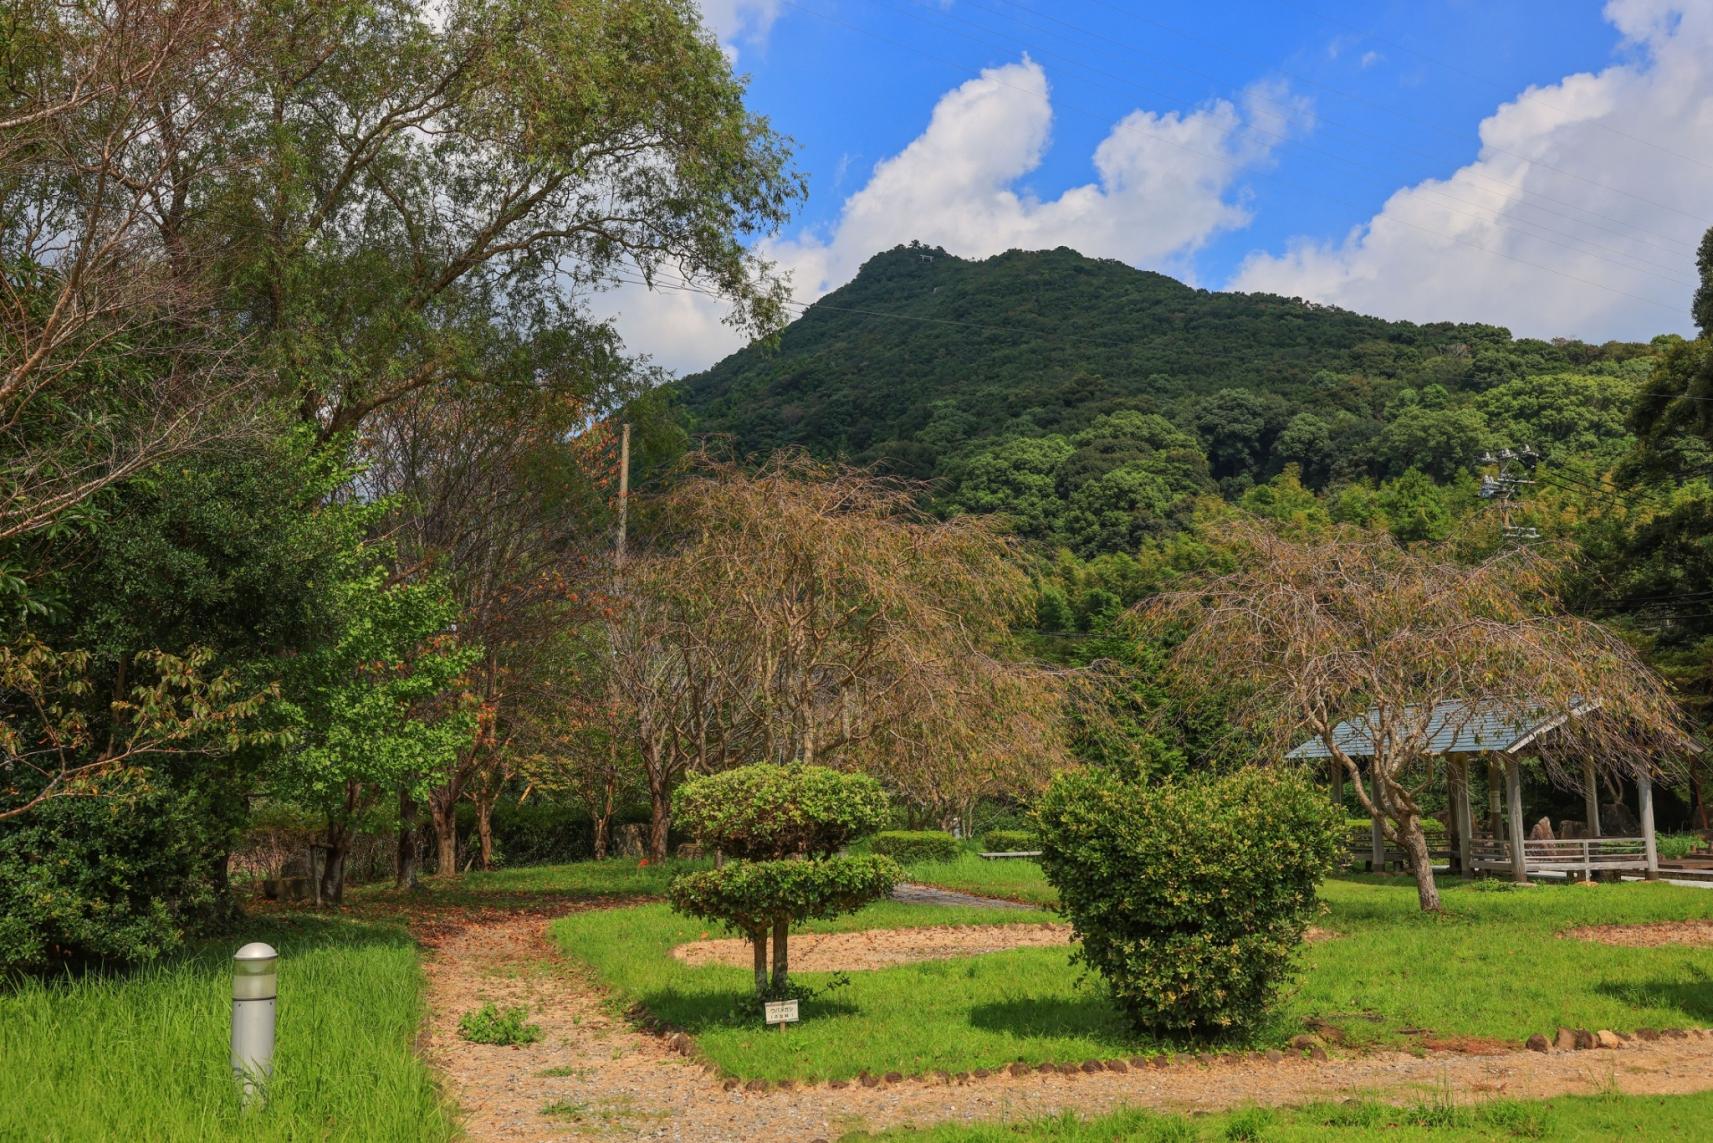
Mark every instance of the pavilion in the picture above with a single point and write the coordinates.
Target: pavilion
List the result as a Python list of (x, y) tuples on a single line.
[(1455, 730)]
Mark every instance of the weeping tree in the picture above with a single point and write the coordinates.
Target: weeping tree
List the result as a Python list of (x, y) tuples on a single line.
[(1353, 626), (785, 826)]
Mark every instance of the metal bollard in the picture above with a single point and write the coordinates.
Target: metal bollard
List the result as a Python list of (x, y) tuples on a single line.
[(253, 992)]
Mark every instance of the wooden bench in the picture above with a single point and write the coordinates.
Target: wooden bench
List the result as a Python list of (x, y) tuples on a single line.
[(1001, 855)]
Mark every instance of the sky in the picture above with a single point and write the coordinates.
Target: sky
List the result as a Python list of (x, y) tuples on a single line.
[(1538, 164)]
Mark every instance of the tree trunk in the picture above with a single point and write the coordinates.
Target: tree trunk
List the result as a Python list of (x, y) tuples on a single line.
[(660, 819), (603, 834), (758, 939), (333, 865), (781, 956), (485, 830), (445, 836), (1415, 848), (409, 858)]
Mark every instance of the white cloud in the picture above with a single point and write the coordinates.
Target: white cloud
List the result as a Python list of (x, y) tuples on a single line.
[(1590, 193), (735, 21), (1369, 59), (1164, 186)]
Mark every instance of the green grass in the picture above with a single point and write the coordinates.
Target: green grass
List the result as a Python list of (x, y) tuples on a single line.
[(1016, 879), (615, 879), (1443, 1120), (144, 1054), (1491, 969)]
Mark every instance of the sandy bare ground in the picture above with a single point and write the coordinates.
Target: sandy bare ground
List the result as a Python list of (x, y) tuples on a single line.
[(593, 1075), (878, 948), (1650, 935)]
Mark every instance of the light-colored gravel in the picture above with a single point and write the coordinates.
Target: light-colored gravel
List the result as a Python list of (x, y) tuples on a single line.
[(607, 1080)]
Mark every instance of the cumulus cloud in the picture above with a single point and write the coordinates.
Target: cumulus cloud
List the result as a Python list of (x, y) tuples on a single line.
[(1165, 183), (1579, 215), (739, 21)]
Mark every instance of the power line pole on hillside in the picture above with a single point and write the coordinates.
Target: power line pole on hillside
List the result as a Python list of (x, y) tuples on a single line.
[(624, 493), (1515, 474)]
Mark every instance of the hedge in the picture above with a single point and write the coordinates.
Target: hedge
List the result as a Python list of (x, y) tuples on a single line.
[(1009, 840), (907, 845)]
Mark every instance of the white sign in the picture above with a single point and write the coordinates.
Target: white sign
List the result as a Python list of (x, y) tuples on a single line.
[(782, 1012)]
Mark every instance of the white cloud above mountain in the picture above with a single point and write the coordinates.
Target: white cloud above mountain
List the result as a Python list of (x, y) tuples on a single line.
[(1165, 182), (1578, 216)]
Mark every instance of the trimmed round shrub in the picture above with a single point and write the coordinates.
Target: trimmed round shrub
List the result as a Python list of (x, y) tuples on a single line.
[(1190, 897), (911, 845), (1008, 840), (764, 810), (752, 896)]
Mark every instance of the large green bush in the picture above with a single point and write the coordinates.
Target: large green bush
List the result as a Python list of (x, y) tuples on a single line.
[(1190, 897), (910, 845), (767, 811), (784, 825)]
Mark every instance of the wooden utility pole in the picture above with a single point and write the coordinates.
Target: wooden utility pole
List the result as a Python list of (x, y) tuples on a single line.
[(624, 492)]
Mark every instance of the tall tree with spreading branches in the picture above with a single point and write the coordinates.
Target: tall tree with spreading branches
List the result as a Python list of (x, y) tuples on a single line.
[(1356, 627)]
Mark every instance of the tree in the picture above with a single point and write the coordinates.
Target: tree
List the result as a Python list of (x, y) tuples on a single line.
[(809, 613), (1440, 442), (785, 826), (1354, 627)]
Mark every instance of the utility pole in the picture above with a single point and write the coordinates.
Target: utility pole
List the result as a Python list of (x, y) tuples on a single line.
[(624, 493), (1515, 474)]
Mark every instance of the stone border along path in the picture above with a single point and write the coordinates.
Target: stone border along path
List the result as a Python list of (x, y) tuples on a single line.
[(603, 1077)]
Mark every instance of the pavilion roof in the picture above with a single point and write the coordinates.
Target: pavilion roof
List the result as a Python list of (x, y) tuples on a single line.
[(1451, 727)]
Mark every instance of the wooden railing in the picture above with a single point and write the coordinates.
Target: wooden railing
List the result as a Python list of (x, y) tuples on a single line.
[(1570, 855)]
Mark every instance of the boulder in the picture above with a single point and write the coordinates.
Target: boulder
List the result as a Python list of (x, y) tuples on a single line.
[(1607, 1038), (1542, 831), (1584, 1039), (1537, 1043), (1565, 1040)]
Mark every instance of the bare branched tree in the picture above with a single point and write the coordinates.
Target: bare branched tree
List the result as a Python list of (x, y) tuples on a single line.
[(1356, 627), (809, 613)]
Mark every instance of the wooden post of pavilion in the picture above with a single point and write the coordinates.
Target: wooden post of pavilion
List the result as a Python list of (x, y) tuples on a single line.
[(1495, 822), (1645, 803), (1461, 813), (1514, 809)]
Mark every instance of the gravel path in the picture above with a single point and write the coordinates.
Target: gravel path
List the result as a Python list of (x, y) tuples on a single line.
[(592, 1074), (914, 894)]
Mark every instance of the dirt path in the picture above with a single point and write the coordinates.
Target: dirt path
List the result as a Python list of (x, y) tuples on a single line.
[(592, 1075)]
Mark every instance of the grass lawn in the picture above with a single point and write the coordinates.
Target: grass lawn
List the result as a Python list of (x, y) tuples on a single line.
[(1016, 879), (144, 1054), (613, 878), (1490, 968), (1599, 1117)]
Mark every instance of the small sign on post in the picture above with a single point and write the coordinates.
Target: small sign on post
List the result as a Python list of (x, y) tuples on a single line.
[(781, 1012)]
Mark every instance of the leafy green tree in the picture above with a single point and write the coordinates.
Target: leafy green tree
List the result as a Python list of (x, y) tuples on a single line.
[(1232, 424), (1017, 478), (1307, 442), (785, 825), (1439, 442), (1415, 507), (1115, 511)]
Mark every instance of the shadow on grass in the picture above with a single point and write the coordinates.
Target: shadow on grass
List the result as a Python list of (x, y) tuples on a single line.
[(1091, 1016), (211, 953), (712, 1012), (1694, 999)]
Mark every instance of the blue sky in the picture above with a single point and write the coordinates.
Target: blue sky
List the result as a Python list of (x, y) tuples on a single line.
[(1538, 164)]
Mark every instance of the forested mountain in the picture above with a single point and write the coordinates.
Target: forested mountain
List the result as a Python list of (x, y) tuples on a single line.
[(1092, 402)]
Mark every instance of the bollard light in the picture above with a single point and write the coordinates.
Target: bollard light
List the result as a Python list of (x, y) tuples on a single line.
[(254, 978)]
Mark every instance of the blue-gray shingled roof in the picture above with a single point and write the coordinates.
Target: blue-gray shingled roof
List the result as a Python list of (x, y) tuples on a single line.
[(1454, 727)]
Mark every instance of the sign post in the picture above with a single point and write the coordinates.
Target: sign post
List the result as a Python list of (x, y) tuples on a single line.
[(781, 1012)]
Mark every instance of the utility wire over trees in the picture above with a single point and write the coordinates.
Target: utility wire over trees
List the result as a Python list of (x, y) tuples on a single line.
[(1315, 632)]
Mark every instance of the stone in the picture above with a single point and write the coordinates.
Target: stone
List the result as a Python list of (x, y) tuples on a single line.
[(1020, 1069), (1274, 1055), (838, 1083), (1162, 1061), (980, 1073), (1092, 1066), (784, 1085), (1648, 1034), (755, 1085), (1565, 1040), (1044, 1068), (1584, 1039), (1537, 1043), (730, 1085), (682, 1043), (1304, 1042), (943, 1076), (893, 1077), (1607, 1038), (1317, 1053), (869, 1080), (962, 1077), (1117, 1066), (1139, 1061), (1067, 1069), (1542, 831)]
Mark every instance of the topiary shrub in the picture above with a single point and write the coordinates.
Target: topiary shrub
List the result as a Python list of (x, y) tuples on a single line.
[(911, 845), (784, 826), (1008, 840), (1190, 897)]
